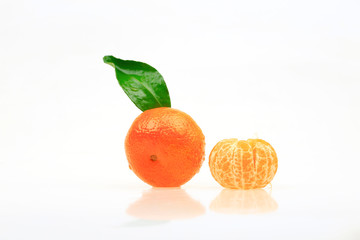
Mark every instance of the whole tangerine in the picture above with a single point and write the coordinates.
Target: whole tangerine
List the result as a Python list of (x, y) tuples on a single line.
[(243, 164), (165, 147)]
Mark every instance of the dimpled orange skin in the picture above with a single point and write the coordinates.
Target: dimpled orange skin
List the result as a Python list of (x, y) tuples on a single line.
[(241, 164), (165, 147)]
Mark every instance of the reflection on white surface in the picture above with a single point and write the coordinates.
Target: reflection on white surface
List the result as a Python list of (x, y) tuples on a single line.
[(144, 223), (236, 201), (165, 204)]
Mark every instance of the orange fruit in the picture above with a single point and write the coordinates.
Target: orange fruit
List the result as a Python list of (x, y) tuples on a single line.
[(243, 164), (165, 147)]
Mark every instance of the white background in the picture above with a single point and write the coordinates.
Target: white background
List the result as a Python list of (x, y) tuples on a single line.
[(284, 71)]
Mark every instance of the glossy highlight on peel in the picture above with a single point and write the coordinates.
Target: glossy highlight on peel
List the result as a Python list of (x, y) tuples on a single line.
[(243, 164)]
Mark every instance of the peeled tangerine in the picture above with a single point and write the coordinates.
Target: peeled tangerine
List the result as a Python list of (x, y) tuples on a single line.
[(243, 164)]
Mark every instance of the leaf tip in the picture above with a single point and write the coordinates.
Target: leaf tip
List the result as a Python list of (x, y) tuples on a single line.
[(108, 59)]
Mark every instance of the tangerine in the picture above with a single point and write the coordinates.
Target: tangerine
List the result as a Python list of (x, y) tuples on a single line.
[(165, 147), (243, 164)]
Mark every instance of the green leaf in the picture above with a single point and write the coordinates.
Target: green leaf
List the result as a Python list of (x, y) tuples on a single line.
[(143, 84)]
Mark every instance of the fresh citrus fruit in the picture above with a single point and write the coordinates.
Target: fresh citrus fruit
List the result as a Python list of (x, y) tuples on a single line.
[(165, 147), (243, 164)]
